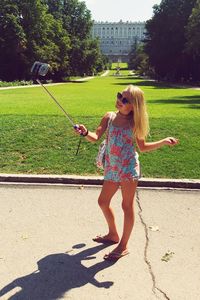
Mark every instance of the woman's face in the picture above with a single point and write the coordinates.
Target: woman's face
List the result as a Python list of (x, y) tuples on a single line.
[(124, 102)]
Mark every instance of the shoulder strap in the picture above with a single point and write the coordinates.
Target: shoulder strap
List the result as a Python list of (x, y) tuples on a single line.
[(110, 119)]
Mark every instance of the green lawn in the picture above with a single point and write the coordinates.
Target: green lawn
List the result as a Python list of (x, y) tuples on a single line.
[(37, 138), (121, 65)]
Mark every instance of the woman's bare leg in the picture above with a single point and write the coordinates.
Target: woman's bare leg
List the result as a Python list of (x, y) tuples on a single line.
[(128, 189), (108, 190)]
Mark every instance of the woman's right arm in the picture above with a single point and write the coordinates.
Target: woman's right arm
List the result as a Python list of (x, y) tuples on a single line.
[(94, 136)]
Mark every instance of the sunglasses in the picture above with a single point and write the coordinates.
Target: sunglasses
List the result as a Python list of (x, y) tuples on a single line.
[(122, 99)]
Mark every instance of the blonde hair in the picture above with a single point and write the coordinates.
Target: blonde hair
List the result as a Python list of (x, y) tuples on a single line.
[(140, 115)]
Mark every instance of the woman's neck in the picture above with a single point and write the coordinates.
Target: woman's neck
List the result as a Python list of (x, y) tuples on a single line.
[(124, 115)]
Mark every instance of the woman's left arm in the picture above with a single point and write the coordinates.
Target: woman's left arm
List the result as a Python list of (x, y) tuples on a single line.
[(150, 146)]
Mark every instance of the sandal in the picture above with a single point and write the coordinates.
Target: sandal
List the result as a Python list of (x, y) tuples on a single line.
[(114, 256), (103, 240)]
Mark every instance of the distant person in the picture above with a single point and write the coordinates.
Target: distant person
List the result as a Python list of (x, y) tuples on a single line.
[(122, 167), (117, 71)]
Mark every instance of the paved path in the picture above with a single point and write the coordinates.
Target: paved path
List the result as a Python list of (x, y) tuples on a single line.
[(47, 252), (105, 73)]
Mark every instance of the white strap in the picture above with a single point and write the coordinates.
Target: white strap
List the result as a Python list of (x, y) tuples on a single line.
[(110, 119)]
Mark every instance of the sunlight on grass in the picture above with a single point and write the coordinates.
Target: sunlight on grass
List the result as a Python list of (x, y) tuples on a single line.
[(37, 138)]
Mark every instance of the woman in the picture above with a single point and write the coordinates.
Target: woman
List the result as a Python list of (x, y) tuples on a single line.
[(128, 125)]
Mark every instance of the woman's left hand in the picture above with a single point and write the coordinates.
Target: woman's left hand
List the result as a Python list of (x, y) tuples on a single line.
[(171, 141)]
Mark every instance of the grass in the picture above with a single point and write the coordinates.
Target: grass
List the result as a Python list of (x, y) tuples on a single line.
[(15, 83), (36, 137), (122, 66)]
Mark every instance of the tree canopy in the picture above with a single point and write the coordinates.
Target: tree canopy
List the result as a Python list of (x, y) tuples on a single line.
[(56, 32), (166, 39)]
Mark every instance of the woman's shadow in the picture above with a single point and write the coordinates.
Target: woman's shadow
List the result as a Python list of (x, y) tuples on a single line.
[(57, 274)]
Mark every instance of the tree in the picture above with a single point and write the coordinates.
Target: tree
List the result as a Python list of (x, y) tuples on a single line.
[(139, 60), (47, 41), (165, 39), (57, 32), (13, 42), (192, 46), (84, 51), (193, 31), (55, 8), (84, 56), (77, 19)]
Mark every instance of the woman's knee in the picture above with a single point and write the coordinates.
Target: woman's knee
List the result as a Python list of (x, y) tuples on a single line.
[(102, 202), (127, 206)]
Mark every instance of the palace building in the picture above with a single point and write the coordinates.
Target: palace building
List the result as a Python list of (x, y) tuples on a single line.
[(117, 38)]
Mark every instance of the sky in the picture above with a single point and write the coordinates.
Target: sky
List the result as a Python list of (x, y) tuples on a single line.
[(125, 10)]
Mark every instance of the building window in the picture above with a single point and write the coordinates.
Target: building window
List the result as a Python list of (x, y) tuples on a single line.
[(116, 39)]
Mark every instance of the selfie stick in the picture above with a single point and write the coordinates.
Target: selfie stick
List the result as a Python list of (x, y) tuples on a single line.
[(41, 69)]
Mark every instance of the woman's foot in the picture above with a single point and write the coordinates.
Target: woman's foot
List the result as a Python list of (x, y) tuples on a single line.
[(116, 254), (107, 239)]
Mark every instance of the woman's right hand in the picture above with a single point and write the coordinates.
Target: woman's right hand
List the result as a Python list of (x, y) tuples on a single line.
[(80, 129)]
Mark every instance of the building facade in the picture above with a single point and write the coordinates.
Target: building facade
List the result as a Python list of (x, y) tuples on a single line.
[(117, 38)]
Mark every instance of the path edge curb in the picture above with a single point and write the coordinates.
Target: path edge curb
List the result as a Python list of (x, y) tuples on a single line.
[(96, 180)]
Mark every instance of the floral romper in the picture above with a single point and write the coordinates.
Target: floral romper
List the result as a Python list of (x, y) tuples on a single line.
[(121, 159)]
